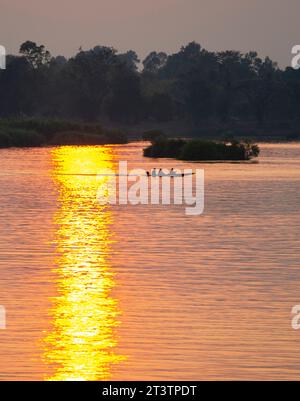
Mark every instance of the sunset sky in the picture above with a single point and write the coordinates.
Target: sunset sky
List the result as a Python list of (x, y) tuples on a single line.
[(269, 26)]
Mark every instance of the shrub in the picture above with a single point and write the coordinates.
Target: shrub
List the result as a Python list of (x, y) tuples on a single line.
[(114, 136), (37, 131), (5, 140), (165, 148), (294, 136), (50, 127), (196, 150), (153, 136), (77, 138), (24, 138)]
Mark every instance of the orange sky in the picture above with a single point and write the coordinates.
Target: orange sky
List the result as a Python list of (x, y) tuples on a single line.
[(268, 26)]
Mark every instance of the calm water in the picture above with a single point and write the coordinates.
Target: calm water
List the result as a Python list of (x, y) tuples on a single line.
[(145, 292)]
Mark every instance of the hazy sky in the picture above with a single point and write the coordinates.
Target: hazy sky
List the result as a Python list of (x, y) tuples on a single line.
[(269, 26)]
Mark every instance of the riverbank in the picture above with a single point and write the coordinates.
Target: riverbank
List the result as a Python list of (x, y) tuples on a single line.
[(269, 132), (35, 132)]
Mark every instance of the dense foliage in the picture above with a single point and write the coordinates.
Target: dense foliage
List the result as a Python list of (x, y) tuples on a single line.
[(196, 150), (194, 85), (31, 132)]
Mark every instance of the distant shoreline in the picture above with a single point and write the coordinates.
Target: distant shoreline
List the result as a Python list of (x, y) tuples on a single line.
[(42, 132), (38, 132)]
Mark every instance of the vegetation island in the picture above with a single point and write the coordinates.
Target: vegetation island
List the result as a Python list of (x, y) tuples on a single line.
[(199, 149)]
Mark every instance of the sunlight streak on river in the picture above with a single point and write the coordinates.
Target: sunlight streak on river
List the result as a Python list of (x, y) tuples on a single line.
[(85, 315)]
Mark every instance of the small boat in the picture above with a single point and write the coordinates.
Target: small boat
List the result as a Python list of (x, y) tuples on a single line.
[(172, 175)]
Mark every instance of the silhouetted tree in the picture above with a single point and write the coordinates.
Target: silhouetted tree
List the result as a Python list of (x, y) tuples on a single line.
[(130, 59), (125, 103), (260, 89), (36, 55), (192, 85), (87, 81), (154, 62)]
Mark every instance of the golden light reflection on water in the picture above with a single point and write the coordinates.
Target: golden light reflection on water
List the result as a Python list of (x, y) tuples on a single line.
[(84, 314)]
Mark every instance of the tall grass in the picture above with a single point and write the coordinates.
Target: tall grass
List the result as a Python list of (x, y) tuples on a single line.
[(20, 138), (27, 132)]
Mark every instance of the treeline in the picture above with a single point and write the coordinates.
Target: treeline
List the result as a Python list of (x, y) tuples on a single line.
[(194, 85)]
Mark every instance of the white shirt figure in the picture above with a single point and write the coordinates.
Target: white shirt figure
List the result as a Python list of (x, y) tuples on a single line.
[(153, 172), (161, 173)]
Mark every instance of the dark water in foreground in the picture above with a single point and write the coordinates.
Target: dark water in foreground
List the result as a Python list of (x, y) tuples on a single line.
[(145, 292)]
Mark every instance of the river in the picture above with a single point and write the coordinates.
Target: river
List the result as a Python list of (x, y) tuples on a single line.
[(145, 292)]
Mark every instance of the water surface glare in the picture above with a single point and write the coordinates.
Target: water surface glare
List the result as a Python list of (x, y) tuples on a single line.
[(145, 292)]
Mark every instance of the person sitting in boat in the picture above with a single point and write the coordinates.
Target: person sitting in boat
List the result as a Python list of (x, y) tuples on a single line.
[(161, 173), (154, 172), (172, 172)]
